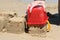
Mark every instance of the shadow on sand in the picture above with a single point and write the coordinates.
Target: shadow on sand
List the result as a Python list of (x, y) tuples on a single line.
[(53, 18)]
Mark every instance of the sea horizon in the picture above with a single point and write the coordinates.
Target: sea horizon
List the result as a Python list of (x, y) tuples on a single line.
[(48, 1)]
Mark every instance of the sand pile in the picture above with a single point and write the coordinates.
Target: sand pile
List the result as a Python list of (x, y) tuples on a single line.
[(10, 22)]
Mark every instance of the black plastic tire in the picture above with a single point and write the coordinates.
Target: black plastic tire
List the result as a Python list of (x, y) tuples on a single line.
[(26, 28)]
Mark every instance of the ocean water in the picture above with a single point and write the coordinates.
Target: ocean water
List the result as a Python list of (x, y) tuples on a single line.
[(28, 1), (48, 1)]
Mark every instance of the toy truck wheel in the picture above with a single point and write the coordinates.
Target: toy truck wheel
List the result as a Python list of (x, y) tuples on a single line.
[(44, 28), (26, 27)]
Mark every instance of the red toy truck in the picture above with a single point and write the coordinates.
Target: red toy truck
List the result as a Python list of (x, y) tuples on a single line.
[(37, 18)]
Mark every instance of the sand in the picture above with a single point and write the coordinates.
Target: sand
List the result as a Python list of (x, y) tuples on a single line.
[(34, 34), (54, 34)]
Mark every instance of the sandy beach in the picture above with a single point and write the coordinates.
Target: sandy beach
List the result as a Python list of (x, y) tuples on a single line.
[(10, 33), (54, 34)]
